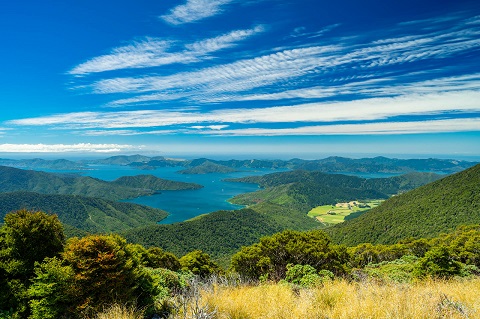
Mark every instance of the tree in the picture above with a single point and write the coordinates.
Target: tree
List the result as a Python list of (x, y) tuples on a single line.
[(273, 253), (199, 263), (105, 272), (25, 239), (438, 263)]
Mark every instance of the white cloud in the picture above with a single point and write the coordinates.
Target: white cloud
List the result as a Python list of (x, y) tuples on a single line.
[(152, 52), (194, 10), (387, 128), (466, 101), (308, 67), (66, 148)]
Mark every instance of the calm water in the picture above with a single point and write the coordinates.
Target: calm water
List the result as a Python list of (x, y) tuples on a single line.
[(185, 204)]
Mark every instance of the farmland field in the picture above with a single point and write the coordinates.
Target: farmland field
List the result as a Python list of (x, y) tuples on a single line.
[(335, 214)]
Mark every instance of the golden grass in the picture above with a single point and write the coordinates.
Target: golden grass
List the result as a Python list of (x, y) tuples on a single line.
[(120, 312), (343, 300)]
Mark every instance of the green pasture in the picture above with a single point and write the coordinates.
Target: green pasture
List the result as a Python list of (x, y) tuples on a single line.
[(330, 214)]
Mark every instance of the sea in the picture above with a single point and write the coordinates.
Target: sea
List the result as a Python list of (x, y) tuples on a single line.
[(182, 204)]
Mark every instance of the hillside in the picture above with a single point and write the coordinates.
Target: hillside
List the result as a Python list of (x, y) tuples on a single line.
[(208, 167), (151, 182), (84, 213), (38, 163), (220, 234), (13, 179), (423, 212), (304, 190)]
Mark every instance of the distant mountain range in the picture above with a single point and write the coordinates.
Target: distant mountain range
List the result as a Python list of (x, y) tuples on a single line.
[(426, 211), (332, 164)]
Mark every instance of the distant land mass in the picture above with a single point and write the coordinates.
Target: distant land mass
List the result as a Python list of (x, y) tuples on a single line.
[(333, 164), (38, 163), (13, 179), (151, 182), (426, 211), (92, 215), (208, 167)]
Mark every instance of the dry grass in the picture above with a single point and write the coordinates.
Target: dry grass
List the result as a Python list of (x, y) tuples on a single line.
[(120, 312), (344, 300)]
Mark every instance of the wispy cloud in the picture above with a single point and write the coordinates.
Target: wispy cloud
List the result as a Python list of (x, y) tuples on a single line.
[(310, 69), (194, 10), (66, 148), (153, 52), (389, 128), (373, 109)]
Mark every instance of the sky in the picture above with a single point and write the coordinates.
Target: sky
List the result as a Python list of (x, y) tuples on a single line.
[(272, 78)]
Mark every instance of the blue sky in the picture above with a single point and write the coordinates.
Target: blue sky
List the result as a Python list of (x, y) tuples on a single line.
[(303, 78)]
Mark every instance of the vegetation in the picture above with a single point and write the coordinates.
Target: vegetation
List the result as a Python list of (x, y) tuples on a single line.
[(208, 167), (89, 214), (427, 211), (151, 182), (219, 234), (14, 179), (42, 277)]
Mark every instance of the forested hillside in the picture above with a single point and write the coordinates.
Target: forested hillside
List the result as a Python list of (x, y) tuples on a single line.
[(13, 179), (151, 182), (304, 190), (423, 212), (93, 215), (221, 233)]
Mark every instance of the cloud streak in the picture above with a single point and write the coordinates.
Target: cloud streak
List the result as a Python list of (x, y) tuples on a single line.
[(194, 10), (154, 52), (374, 109), (388, 128), (66, 148)]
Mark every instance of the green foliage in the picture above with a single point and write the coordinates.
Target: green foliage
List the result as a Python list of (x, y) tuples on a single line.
[(220, 234), (52, 289), (25, 239), (306, 276), (401, 270), (273, 253), (29, 237), (199, 263), (438, 263), (84, 213), (425, 212)]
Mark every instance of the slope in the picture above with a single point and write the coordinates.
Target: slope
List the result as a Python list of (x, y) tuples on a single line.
[(151, 182), (423, 212), (90, 214)]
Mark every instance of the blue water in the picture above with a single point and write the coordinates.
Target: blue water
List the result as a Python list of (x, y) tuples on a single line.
[(184, 204)]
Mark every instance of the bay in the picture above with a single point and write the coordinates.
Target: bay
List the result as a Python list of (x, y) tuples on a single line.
[(184, 204)]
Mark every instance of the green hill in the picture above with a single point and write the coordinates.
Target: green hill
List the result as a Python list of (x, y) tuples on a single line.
[(304, 190), (427, 211), (151, 182), (89, 214), (220, 234), (13, 179), (208, 167)]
